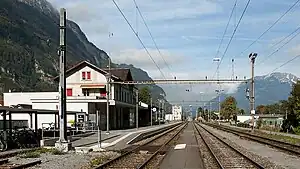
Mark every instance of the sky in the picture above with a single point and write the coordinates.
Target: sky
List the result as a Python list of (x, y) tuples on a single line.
[(188, 34)]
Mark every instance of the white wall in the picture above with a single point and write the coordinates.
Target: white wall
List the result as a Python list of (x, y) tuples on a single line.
[(24, 97), (74, 81)]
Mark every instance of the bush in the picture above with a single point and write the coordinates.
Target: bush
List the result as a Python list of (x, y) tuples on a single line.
[(297, 130)]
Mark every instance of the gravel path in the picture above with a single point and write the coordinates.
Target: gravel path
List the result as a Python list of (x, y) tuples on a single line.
[(278, 157), (70, 160)]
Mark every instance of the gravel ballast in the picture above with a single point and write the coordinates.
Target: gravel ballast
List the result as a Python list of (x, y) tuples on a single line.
[(267, 153), (69, 160)]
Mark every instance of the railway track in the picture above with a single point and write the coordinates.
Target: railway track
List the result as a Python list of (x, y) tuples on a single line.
[(224, 155), (138, 157), (287, 147), (4, 164)]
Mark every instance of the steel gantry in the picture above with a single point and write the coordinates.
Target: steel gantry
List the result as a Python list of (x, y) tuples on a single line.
[(187, 81)]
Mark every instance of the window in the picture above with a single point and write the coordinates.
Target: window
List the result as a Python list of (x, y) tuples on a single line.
[(88, 75), (69, 92), (83, 76), (85, 92)]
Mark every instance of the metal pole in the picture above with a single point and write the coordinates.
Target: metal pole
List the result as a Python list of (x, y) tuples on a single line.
[(252, 57), (137, 109), (62, 79), (151, 112), (159, 112), (252, 90), (98, 128), (108, 97), (232, 69), (163, 110), (219, 104)]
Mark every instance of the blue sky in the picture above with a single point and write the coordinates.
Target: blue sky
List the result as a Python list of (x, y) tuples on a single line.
[(188, 33)]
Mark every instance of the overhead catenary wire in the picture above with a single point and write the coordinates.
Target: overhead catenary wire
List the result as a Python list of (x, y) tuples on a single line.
[(287, 11), (224, 33), (233, 9), (148, 29), (278, 49), (285, 63), (241, 17), (139, 39)]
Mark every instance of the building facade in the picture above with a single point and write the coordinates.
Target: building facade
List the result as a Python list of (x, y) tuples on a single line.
[(176, 112), (86, 90)]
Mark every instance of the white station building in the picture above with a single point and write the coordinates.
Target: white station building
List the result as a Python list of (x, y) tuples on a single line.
[(176, 114), (86, 92)]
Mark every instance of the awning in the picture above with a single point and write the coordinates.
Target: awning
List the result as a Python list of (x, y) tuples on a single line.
[(89, 86)]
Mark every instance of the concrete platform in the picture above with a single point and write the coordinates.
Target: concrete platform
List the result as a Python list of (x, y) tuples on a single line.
[(184, 155), (117, 139)]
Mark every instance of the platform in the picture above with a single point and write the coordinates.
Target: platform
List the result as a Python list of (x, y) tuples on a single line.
[(117, 139), (185, 154)]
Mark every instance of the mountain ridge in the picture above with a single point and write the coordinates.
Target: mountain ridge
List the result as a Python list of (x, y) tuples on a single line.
[(29, 40), (269, 89)]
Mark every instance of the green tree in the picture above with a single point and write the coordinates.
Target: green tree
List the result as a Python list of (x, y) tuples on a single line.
[(229, 107), (293, 107), (144, 95), (241, 112)]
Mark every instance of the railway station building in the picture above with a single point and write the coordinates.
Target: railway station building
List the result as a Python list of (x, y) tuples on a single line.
[(86, 92)]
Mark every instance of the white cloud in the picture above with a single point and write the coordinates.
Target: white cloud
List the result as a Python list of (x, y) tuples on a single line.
[(140, 58), (294, 50)]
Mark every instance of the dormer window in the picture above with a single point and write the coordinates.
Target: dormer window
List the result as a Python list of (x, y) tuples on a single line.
[(85, 75)]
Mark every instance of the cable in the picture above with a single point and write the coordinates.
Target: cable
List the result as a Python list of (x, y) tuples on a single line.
[(280, 46), (138, 38), (234, 6), (140, 13), (271, 26), (219, 63), (285, 63)]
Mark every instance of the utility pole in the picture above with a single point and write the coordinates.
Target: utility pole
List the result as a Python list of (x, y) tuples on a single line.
[(108, 97), (252, 57), (163, 109), (232, 60), (159, 112), (151, 112), (108, 90), (62, 143), (137, 108), (62, 78)]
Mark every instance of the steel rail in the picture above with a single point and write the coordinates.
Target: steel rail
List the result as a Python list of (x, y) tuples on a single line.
[(264, 140), (134, 149), (161, 148), (234, 149)]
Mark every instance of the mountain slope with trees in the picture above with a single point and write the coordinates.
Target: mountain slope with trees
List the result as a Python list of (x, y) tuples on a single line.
[(29, 41)]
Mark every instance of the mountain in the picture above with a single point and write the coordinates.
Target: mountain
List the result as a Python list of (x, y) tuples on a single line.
[(29, 41), (268, 89)]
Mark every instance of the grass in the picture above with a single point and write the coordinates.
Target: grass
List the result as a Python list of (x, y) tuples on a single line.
[(31, 154), (99, 160), (37, 153), (288, 139)]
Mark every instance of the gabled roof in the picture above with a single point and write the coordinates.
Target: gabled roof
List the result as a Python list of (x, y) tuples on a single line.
[(83, 64), (123, 73)]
